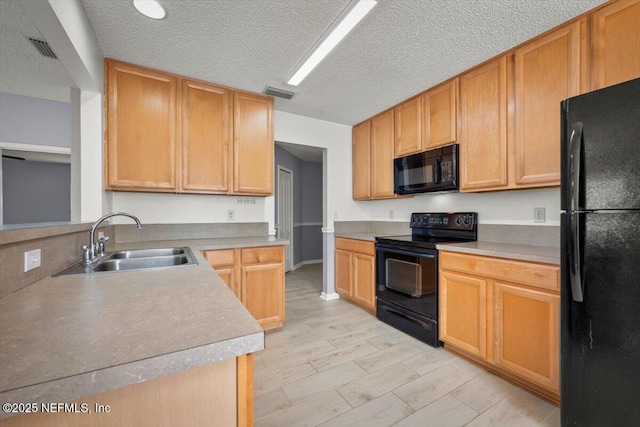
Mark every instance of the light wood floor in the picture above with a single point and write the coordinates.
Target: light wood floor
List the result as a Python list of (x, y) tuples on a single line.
[(333, 364)]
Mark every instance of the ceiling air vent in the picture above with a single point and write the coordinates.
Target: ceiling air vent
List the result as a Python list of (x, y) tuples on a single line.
[(43, 47), (272, 91)]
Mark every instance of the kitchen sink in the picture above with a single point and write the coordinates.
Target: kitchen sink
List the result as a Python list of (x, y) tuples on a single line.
[(135, 259), (147, 253)]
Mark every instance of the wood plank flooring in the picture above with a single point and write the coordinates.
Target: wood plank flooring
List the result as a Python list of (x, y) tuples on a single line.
[(333, 364)]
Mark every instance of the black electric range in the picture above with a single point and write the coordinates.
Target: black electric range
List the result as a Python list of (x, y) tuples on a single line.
[(407, 271)]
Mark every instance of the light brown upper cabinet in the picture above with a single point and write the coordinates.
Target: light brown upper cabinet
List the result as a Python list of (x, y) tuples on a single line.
[(372, 157), (172, 134), (252, 144), (206, 137), (616, 43), (382, 155), (361, 161), (408, 127), (483, 142), (547, 71), (440, 123), (140, 128)]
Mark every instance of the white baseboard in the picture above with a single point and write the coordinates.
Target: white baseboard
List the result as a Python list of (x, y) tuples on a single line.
[(310, 261), (329, 297)]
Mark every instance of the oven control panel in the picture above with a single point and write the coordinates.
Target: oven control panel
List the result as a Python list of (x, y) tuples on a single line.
[(447, 221)]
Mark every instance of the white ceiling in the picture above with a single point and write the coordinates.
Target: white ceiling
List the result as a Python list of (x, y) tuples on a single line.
[(401, 48)]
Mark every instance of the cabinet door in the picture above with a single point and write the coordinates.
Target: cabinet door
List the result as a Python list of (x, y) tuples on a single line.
[(343, 272), (483, 145), (463, 312), (408, 127), (228, 276), (262, 293), (616, 43), (141, 129), (440, 124), (361, 161), (252, 144), (206, 137), (547, 71), (364, 274), (382, 155), (527, 339)]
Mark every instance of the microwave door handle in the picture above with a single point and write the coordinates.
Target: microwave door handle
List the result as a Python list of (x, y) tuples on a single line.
[(437, 171)]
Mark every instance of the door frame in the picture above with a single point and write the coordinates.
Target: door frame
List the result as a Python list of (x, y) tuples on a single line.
[(288, 266)]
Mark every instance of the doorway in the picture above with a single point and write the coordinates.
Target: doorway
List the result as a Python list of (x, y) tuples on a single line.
[(284, 227)]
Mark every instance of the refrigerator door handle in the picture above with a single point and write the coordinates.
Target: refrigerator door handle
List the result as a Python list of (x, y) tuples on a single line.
[(575, 269), (575, 147)]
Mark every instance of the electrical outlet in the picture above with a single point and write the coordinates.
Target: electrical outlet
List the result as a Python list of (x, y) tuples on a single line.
[(100, 235), (335, 214), (231, 215), (32, 259), (390, 213), (539, 215)]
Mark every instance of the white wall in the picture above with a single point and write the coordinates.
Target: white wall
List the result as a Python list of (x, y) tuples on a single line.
[(158, 208), (504, 207), (336, 138)]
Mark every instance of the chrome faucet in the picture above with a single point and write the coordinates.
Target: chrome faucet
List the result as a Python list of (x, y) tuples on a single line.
[(96, 249)]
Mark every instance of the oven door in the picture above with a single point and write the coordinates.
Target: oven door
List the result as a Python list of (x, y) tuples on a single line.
[(408, 277)]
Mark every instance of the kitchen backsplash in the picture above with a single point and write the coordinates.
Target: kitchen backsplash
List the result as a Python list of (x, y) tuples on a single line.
[(60, 247), (128, 233), (61, 244), (496, 233)]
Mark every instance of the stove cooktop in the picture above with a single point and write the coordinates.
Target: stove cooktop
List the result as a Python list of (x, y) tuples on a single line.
[(429, 229)]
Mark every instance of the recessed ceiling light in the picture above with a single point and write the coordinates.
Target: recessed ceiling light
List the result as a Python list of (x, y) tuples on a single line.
[(334, 37), (150, 8)]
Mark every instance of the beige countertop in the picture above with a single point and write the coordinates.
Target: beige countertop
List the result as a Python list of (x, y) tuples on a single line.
[(66, 337), (544, 254)]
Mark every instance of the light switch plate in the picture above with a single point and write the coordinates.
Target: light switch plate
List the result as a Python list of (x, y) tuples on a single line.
[(539, 215), (32, 259)]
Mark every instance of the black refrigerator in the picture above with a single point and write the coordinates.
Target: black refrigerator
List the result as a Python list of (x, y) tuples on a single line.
[(600, 222)]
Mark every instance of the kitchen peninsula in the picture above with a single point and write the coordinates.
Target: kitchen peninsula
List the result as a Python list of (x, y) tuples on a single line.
[(173, 338)]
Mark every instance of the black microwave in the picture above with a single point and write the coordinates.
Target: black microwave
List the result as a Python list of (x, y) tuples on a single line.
[(430, 171)]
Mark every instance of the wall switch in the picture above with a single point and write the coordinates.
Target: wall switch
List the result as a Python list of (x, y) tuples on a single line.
[(32, 259), (231, 215), (539, 215), (100, 235), (390, 213)]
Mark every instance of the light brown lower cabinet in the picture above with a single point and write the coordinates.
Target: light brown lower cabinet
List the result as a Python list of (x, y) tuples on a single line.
[(196, 397), (256, 277), (356, 272), (504, 314)]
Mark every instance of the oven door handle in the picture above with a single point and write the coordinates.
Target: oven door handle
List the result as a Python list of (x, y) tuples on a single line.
[(401, 252), (404, 316)]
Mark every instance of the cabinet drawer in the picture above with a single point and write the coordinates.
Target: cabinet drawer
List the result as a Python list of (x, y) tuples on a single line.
[(527, 273), (353, 245), (221, 258), (262, 255)]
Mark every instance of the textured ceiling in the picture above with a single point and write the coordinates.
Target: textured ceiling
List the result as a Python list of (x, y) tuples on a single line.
[(23, 71), (401, 48)]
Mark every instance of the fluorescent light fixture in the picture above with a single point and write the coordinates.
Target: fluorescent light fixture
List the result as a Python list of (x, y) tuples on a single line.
[(150, 8), (354, 16)]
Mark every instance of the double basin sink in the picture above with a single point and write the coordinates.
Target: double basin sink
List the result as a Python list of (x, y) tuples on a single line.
[(135, 259)]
